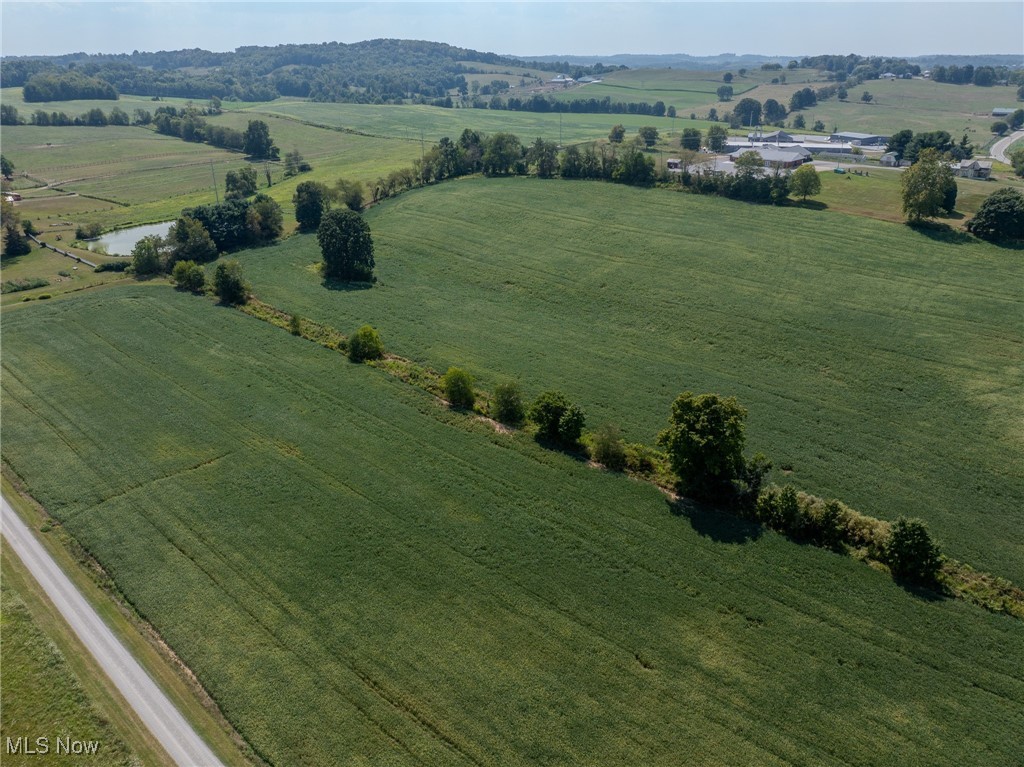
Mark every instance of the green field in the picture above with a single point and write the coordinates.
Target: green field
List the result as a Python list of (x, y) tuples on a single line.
[(358, 576), (680, 88), (41, 695), (408, 122), (920, 105), (883, 365)]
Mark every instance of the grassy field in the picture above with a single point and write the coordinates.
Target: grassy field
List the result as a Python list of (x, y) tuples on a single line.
[(359, 576), (920, 105), (43, 697), (680, 88), (884, 366), (407, 123), (62, 273), (878, 195)]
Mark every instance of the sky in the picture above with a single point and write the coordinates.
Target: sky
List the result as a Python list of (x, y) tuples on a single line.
[(36, 27)]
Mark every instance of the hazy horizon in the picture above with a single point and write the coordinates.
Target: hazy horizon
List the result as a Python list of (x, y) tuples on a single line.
[(525, 29)]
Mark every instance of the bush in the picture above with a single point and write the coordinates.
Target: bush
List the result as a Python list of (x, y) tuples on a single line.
[(557, 419), (26, 283), (188, 275), (910, 551), (88, 231), (508, 404), (295, 325), (458, 388), (608, 449), (365, 344), (228, 283), (113, 266), (1000, 217)]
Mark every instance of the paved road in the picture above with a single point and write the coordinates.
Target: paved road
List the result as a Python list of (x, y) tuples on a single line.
[(153, 707), (998, 150)]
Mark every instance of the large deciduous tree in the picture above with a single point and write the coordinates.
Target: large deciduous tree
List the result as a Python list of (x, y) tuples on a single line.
[(704, 441), (748, 111), (805, 182), (257, 141), (1000, 217), (926, 186), (240, 183), (346, 246), (189, 241), (311, 201)]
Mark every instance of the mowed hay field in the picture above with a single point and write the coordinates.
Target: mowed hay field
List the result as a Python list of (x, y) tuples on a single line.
[(882, 366), (360, 577)]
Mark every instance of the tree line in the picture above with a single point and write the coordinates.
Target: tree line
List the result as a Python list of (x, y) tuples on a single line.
[(370, 71)]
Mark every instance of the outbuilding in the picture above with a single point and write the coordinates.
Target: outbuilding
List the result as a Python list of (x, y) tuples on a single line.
[(859, 139)]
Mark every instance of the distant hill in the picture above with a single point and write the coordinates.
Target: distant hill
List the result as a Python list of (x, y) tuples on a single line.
[(734, 61), (373, 71)]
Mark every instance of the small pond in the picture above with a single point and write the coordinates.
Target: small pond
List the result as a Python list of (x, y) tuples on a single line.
[(121, 242)]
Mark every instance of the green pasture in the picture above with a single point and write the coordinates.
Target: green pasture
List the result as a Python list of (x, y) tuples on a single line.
[(356, 574), (126, 102), (43, 697), (407, 123), (63, 274), (680, 88), (919, 105), (878, 195), (881, 364), (482, 70)]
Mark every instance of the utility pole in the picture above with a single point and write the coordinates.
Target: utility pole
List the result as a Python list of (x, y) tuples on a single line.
[(214, 176)]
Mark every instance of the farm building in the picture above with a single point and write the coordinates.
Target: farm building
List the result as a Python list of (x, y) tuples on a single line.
[(859, 139), (889, 160), (776, 157), (774, 137), (674, 165), (974, 169), (1002, 111)]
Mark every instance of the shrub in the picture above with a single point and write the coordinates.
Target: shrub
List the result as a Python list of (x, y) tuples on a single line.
[(88, 231), (365, 344), (608, 449), (188, 275), (228, 283), (910, 551), (570, 425), (295, 325), (508, 404), (113, 266), (26, 283), (558, 420), (458, 388), (640, 458), (44, 296)]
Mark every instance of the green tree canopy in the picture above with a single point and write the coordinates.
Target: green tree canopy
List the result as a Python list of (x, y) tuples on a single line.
[(311, 201), (6, 167), (257, 141), (148, 255), (458, 388), (805, 182), (910, 551), (748, 111), (189, 241), (925, 186), (690, 139), (365, 344), (502, 152), (724, 92), (1000, 217), (228, 283), (240, 183), (649, 135), (717, 136), (704, 441), (617, 133), (346, 246)]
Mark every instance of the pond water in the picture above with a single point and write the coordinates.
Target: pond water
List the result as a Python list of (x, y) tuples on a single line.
[(121, 242)]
